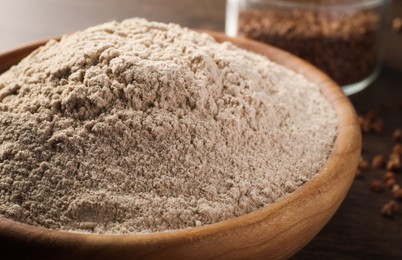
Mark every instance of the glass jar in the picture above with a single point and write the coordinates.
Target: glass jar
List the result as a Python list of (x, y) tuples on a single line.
[(341, 37)]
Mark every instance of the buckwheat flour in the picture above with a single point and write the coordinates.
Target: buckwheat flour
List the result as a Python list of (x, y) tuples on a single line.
[(142, 127)]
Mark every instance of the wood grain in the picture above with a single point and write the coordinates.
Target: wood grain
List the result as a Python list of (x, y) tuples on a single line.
[(358, 231), (275, 232)]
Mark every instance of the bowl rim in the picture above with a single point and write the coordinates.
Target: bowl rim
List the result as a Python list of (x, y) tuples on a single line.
[(348, 142)]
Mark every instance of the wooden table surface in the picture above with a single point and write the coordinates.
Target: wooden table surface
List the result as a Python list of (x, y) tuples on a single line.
[(357, 231)]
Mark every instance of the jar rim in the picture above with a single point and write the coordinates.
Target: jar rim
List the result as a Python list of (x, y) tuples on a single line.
[(306, 5)]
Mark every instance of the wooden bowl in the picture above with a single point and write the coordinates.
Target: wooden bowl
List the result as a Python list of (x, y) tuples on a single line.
[(276, 231)]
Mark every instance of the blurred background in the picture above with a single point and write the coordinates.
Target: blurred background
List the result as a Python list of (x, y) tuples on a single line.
[(26, 20)]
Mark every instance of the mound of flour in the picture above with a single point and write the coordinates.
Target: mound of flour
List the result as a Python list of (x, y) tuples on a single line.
[(143, 127)]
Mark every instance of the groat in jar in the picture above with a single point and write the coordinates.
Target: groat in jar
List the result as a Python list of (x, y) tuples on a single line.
[(341, 37)]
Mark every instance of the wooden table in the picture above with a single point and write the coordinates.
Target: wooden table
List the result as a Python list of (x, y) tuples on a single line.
[(357, 231)]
